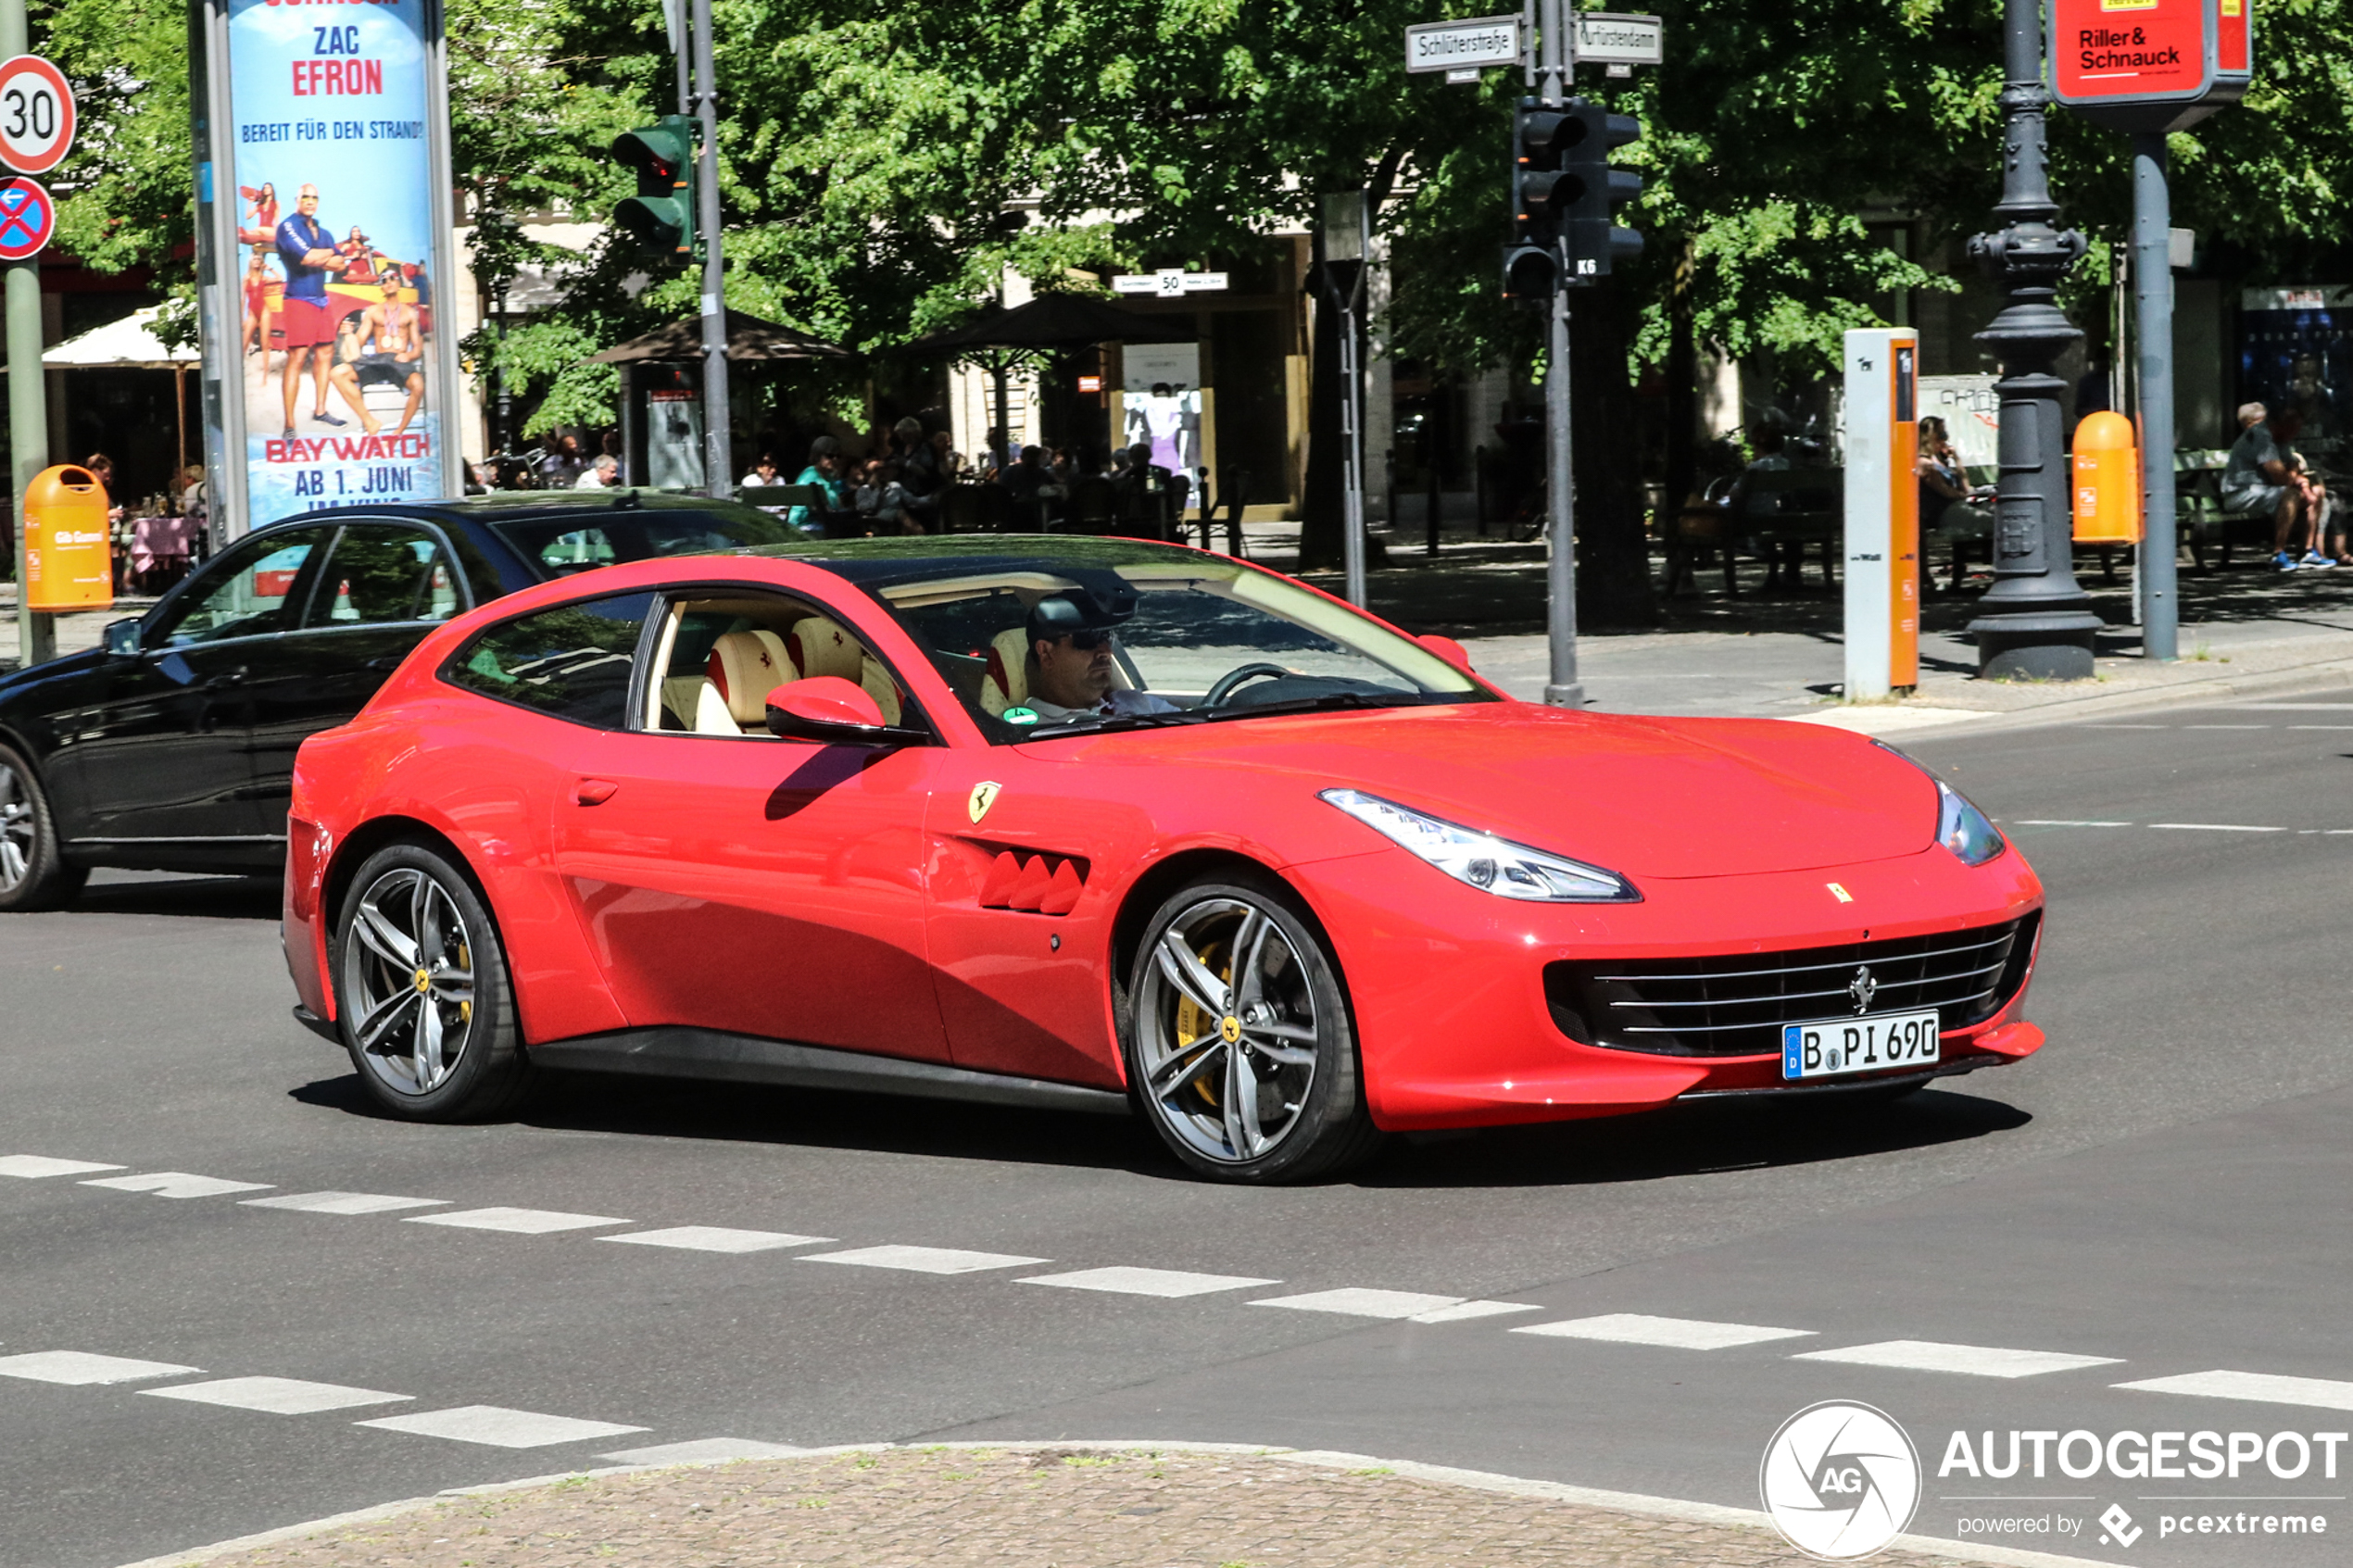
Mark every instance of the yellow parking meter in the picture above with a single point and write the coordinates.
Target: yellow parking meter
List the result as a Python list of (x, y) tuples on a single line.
[(68, 566), (2108, 481)]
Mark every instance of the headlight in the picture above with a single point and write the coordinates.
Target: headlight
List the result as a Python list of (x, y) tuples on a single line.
[(1960, 827), (1489, 863), (1963, 829)]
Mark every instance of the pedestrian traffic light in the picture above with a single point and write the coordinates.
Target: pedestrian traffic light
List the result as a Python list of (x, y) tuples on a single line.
[(1590, 191), (662, 214), (1531, 261)]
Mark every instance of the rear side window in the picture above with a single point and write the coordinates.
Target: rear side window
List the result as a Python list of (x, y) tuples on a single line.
[(572, 661), (381, 574)]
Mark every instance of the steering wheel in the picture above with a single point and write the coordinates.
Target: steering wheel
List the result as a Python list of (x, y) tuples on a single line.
[(1224, 687)]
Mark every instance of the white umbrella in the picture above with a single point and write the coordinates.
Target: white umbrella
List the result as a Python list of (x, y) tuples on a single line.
[(129, 344)]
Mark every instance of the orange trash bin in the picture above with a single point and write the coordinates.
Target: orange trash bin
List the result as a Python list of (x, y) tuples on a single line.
[(67, 565), (2108, 480)]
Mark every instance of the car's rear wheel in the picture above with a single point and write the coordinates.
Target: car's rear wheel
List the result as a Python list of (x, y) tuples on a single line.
[(422, 995), (33, 875), (1240, 1047)]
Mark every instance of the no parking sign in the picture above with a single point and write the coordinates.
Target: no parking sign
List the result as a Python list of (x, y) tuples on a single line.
[(28, 218)]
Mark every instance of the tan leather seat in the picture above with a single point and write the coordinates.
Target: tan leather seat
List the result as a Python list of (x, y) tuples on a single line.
[(822, 646), (743, 669), (1007, 682)]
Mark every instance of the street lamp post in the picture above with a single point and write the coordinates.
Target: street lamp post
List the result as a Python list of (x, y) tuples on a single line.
[(2035, 622)]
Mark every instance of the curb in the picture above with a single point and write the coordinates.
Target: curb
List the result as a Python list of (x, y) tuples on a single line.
[(1323, 1458), (2187, 694)]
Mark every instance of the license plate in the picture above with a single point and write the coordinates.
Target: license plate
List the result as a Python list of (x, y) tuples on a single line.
[(1836, 1046)]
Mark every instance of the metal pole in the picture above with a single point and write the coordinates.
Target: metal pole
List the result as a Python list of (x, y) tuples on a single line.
[(717, 437), (1563, 689), (2035, 622), (28, 402), (2153, 319), (1352, 461)]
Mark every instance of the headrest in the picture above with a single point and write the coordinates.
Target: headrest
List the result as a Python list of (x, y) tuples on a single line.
[(822, 646), (745, 667), (1007, 682), (882, 688)]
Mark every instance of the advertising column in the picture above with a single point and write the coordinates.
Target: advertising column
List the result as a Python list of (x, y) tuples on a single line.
[(1883, 513), (331, 211)]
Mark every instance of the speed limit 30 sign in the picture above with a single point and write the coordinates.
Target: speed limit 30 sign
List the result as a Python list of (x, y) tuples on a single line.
[(37, 115)]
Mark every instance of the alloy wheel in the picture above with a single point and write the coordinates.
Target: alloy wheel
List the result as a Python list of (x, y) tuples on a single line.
[(409, 980), (1227, 1029), (19, 828)]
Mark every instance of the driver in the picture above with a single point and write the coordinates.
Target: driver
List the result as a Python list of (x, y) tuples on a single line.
[(1071, 677)]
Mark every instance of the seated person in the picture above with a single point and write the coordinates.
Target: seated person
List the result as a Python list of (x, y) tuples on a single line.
[(825, 473), (1072, 676), (2255, 479), (1024, 480)]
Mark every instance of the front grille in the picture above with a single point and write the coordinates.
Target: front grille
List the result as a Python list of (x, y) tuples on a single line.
[(1735, 1005)]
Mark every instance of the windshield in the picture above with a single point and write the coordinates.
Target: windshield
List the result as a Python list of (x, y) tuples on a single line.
[(560, 545), (1195, 640)]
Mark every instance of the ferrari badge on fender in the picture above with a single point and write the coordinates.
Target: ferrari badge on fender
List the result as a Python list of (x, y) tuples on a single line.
[(984, 795)]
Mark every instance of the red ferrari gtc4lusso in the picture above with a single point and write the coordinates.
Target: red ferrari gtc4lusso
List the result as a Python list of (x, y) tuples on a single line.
[(1113, 825)]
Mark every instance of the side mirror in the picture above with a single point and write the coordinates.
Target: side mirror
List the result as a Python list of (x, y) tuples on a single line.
[(1447, 648), (826, 707), (122, 636)]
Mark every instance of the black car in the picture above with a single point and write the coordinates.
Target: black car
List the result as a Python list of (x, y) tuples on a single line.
[(173, 748)]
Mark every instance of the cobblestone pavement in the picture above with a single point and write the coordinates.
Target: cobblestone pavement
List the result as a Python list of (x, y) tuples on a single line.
[(1039, 1508)]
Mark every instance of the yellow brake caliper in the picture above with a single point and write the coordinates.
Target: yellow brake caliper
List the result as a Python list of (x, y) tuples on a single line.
[(1193, 1021)]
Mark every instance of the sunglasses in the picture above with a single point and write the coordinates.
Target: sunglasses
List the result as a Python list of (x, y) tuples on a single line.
[(1089, 639)]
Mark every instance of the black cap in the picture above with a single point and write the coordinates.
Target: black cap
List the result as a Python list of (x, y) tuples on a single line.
[(1090, 607)]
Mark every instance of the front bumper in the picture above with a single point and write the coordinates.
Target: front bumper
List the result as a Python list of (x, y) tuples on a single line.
[(1447, 982)]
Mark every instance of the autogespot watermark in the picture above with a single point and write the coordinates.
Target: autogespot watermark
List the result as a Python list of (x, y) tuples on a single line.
[(1842, 1481)]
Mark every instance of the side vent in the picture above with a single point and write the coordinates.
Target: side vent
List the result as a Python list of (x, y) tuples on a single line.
[(1046, 884)]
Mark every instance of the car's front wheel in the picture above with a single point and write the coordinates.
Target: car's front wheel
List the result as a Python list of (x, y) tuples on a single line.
[(422, 996), (33, 875), (1240, 1048)]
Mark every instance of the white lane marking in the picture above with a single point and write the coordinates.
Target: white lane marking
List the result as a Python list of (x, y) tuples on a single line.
[(2262, 1387), (343, 1202), (2128, 726), (1971, 1360), (1674, 1334), (1462, 1312), (2226, 726), (2213, 827), (703, 1450), (923, 1259), (79, 1367), (2063, 822), (717, 1238), (1170, 1283), (277, 1396), (496, 1428), (518, 1221), (1364, 1303), (34, 1166), (2321, 726), (176, 1184)]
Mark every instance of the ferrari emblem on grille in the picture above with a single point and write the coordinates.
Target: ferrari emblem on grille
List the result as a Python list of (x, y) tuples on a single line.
[(984, 795), (1839, 893), (1862, 988)]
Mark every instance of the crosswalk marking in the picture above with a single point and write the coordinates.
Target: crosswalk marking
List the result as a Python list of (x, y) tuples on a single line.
[(176, 1184), (923, 1260), (1674, 1334), (498, 1427), (343, 1202), (80, 1368), (2261, 1387), (516, 1222), (1364, 1303), (1971, 1360), (1171, 1283), (717, 1238), (703, 1450), (34, 1166), (276, 1396)]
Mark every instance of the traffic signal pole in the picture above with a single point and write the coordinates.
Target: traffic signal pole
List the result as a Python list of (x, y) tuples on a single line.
[(717, 438), (1561, 689), (28, 402), (2153, 339)]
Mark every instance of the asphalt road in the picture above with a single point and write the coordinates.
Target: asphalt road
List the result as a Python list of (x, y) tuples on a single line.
[(2162, 1193)]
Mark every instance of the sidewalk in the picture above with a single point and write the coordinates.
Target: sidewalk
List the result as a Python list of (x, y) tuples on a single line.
[(1084, 1506)]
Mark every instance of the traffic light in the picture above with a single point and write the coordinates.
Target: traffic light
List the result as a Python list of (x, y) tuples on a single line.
[(662, 214), (1590, 191), (1531, 261)]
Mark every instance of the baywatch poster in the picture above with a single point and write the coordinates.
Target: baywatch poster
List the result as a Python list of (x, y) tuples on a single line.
[(336, 270)]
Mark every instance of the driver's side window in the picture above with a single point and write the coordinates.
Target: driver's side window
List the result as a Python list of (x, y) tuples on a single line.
[(251, 593), (720, 657)]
